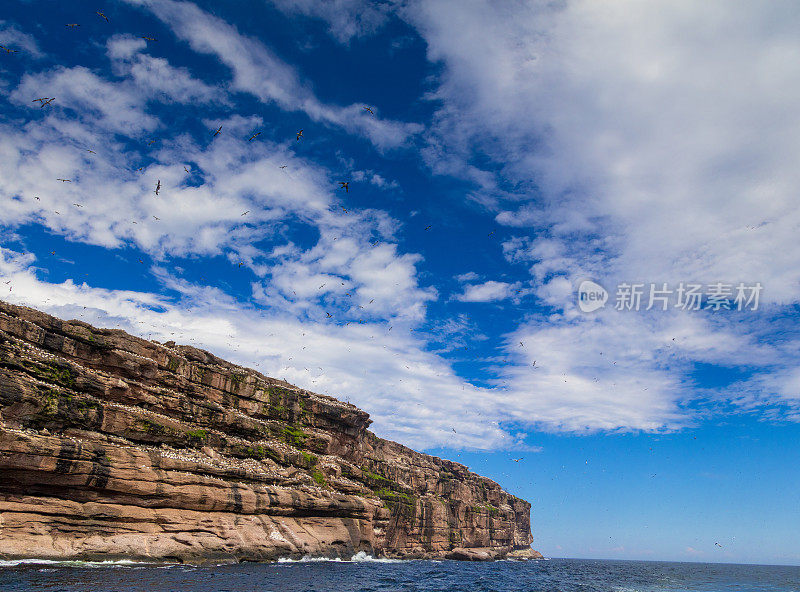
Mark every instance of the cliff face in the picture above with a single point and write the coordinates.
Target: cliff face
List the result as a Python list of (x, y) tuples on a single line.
[(112, 446)]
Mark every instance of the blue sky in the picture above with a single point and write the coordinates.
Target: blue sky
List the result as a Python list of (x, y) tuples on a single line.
[(512, 151)]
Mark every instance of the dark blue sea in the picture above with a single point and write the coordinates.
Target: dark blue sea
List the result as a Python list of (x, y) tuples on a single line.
[(564, 575)]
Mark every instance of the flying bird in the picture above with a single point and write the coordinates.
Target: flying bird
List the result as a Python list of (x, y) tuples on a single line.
[(245, 213), (156, 217), (91, 151), (254, 136), (369, 109), (282, 167), (8, 49), (44, 102), (330, 316), (101, 15), (216, 133), (158, 187), (299, 135), (344, 185), (148, 38), (77, 205), (64, 180), (187, 170), (73, 25), (429, 226), (517, 459), (36, 197)]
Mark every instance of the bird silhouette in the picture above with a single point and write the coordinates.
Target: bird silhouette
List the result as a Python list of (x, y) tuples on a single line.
[(8, 49), (245, 213), (216, 133), (369, 109), (158, 187), (299, 135), (148, 38), (516, 459), (429, 226), (282, 167), (330, 316), (101, 15), (91, 151), (344, 185), (187, 170), (254, 136), (73, 25), (64, 180)]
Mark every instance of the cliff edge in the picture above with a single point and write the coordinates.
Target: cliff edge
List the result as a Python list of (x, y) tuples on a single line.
[(115, 447)]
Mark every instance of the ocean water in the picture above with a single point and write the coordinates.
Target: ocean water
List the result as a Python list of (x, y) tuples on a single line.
[(367, 575)]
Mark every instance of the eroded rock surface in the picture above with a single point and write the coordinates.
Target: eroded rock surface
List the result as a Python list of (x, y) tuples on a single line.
[(112, 446)]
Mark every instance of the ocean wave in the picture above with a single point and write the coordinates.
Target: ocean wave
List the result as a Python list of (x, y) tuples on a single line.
[(360, 557)]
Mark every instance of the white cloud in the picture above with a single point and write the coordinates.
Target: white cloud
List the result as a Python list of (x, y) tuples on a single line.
[(644, 142), (486, 292), (259, 71), (467, 277), (155, 76), (647, 124), (115, 107), (14, 39), (346, 18)]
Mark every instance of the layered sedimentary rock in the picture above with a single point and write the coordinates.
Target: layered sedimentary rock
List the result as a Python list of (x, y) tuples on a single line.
[(112, 446)]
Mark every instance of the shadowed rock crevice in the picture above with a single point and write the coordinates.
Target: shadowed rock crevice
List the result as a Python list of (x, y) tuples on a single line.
[(112, 446)]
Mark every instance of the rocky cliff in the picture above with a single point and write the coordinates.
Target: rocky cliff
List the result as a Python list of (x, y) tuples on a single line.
[(112, 446)]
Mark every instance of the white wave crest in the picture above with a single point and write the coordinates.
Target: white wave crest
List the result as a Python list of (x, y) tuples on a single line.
[(360, 557)]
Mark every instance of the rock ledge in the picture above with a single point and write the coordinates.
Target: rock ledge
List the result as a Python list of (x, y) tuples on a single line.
[(116, 447)]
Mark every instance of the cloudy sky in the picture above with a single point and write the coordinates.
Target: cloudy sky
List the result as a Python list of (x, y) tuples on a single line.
[(510, 151)]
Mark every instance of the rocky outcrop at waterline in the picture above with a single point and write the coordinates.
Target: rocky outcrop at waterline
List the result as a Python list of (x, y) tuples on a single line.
[(115, 447)]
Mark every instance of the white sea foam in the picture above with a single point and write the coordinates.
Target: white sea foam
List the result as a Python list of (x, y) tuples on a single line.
[(360, 557), (363, 556)]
